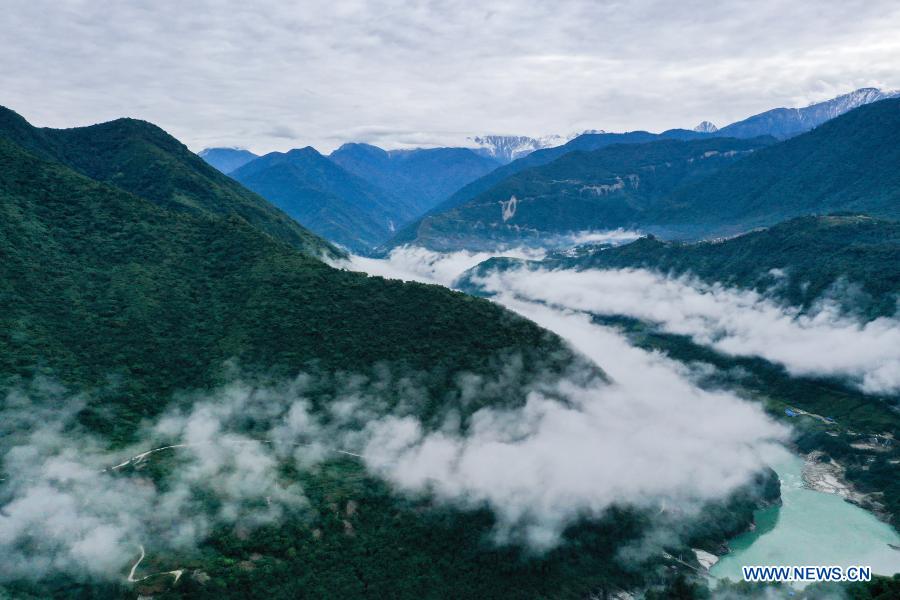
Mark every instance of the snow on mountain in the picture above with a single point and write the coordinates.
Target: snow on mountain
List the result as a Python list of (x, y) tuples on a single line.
[(507, 148), (847, 102), (706, 127), (788, 122)]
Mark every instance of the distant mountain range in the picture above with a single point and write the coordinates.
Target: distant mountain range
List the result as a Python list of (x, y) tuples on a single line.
[(227, 159), (360, 194), (707, 187), (585, 142), (602, 189), (787, 122), (779, 122), (326, 198), (850, 163), (421, 177), (395, 194)]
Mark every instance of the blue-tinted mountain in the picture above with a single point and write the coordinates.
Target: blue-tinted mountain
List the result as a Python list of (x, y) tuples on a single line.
[(507, 148), (326, 198), (419, 178), (603, 189), (585, 142), (848, 164), (227, 160), (787, 122), (142, 159)]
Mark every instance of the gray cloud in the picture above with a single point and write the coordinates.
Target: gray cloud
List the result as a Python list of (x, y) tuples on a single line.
[(226, 73)]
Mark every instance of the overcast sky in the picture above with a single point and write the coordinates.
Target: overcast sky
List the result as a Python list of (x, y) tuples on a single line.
[(275, 74)]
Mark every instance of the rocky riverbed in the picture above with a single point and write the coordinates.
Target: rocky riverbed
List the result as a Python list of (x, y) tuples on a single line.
[(828, 476)]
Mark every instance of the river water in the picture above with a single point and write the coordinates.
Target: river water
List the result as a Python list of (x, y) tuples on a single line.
[(811, 528)]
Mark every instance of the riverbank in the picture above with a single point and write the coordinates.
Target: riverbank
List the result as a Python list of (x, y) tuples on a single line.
[(826, 475)]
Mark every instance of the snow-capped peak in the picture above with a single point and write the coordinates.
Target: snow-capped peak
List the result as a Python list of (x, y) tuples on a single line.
[(847, 102), (507, 148), (706, 127)]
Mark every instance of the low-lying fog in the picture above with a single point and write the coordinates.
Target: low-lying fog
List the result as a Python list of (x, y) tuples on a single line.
[(822, 342)]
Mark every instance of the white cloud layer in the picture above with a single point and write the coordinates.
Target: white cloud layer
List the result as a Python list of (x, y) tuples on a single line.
[(651, 439), (65, 507), (825, 342), (276, 75)]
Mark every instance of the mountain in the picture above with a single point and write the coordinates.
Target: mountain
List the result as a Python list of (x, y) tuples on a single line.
[(227, 160), (140, 158), (787, 122), (705, 127), (602, 189), (850, 163), (326, 198), (586, 142), (123, 303), (419, 178), (507, 148), (164, 298), (116, 309)]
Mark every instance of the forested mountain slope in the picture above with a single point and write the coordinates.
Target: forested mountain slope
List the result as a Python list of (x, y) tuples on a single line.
[(141, 158), (420, 178), (161, 299), (585, 142), (125, 304), (851, 163), (326, 198), (616, 186)]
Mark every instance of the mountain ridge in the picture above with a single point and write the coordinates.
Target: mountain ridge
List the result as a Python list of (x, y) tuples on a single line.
[(787, 122), (587, 141), (419, 177), (849, 163), (325, 197), (227, 160), (598, 190), (141, 158)]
